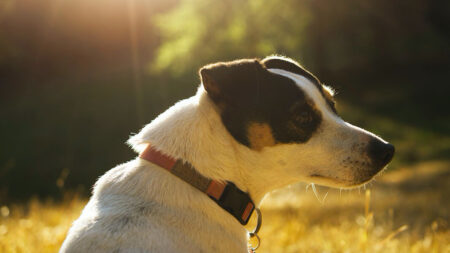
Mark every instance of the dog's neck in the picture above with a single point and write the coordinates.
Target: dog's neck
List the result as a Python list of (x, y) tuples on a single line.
[(192, 130)]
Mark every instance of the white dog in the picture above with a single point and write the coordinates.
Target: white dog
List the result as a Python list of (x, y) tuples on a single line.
[(206, 163)]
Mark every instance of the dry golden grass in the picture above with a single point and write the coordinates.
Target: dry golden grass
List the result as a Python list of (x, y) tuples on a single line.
[(404, 211), (37, 226)]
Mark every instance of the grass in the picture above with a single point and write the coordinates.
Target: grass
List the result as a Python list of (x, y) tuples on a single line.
[(406, 210), (37, 226), (403, 211)]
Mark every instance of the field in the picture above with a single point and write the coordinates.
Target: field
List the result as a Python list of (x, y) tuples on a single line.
[(403, 211), (406, 210)]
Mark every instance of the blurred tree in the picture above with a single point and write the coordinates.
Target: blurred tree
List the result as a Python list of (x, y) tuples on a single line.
[(329, 36), (201, 31), (72, 85)]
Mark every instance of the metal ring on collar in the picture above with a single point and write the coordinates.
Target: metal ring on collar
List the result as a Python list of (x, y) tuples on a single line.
[(256, 230)]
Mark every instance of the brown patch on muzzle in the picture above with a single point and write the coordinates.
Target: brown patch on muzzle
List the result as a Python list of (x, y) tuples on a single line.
[(260, 136)]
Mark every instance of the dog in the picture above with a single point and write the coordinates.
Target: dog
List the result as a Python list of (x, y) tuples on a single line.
[(206, 163)]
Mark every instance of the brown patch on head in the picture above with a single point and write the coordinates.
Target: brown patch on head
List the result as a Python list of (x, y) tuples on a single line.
[(260, 135), (255, 104)]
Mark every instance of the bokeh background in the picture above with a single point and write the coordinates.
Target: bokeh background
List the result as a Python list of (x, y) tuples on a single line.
[(77, 78)]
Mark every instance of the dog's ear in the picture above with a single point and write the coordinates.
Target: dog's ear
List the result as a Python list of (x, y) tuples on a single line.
[(227, 80), (209, 80)]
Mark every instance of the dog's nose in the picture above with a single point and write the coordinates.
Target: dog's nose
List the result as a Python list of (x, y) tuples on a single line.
[(380, 152)]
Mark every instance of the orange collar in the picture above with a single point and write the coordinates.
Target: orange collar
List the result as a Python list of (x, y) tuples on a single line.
[(226, 195)]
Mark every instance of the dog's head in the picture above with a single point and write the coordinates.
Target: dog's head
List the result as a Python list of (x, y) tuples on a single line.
[(277, 108)]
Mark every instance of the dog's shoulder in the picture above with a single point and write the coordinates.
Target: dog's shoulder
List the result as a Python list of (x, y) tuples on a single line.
[(116, 211)]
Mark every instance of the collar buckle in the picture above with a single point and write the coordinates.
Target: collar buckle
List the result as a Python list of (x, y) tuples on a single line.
[(237, 203)]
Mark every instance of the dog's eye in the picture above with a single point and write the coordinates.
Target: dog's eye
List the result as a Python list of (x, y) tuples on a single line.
[(303, 117)]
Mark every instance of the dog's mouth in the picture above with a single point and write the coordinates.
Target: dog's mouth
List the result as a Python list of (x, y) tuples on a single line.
[(337, 182), (330, 181)]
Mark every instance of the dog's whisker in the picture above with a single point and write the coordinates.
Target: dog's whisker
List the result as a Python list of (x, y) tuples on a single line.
[(321, 201), (324, 197), (307, 186)]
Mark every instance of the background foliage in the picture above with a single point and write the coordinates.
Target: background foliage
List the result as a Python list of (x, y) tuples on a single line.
[(78, 77)]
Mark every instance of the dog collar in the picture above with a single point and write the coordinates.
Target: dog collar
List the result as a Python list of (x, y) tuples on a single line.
[(226, 195)]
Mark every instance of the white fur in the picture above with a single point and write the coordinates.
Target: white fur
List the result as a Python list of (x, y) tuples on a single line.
[(140, 207)]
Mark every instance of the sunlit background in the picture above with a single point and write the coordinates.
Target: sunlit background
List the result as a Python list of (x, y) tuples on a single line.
[(78, 77)]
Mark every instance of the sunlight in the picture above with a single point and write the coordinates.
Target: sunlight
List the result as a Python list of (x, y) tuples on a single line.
[(78, 77), (135, 52)]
